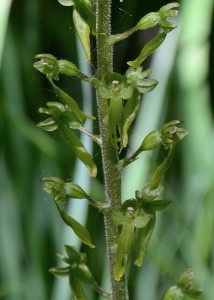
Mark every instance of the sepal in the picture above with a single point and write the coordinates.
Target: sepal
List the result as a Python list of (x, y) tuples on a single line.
[(172, 134), (136, 78), (147, 193), (60, 272), (66, 2), (165, 12)]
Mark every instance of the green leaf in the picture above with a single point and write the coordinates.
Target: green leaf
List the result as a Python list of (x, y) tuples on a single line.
[(79, 230), (150, 47), (83, 32), (78, 149)]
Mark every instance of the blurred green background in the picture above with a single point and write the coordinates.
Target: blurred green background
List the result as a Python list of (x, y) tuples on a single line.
[(30, 227)]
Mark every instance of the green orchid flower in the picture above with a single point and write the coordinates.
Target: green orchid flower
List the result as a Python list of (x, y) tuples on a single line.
[(50, 66), (154, 18), (167, 136), (117, 90), (61, 190), (136, 78), (150, 206), (78, 273), (183, 287), (130, 218), (63, 119)]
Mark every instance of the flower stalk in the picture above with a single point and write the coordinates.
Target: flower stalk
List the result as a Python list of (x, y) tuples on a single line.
[(109, 153)]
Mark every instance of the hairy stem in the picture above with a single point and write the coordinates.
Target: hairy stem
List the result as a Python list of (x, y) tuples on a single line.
[(112, 175)]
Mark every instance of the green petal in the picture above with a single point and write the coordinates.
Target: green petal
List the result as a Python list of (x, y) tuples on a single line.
[(116, 120), (124, 250), (49, 124), (60, 272), (66, 2)]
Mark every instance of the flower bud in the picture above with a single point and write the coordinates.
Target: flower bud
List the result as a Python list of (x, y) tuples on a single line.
[(55, 187), (48, 65)]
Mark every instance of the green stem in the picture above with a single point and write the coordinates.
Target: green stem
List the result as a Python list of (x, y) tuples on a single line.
[(112, 175)]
